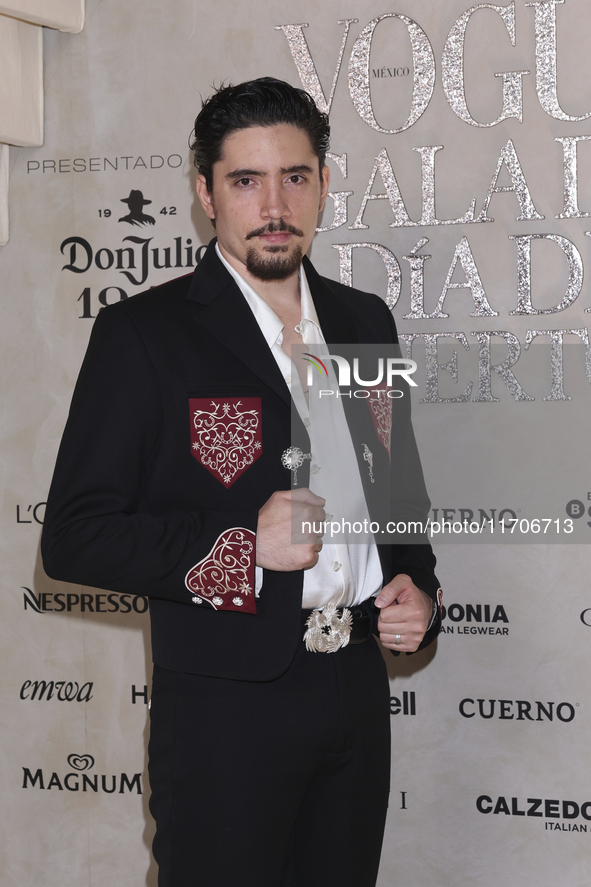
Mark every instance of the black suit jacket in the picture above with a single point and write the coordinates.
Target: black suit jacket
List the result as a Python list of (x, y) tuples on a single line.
[(132, 510)]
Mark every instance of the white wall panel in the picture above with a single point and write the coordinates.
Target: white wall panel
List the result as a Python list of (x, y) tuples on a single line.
[(67, 15), (21, 83), (4, 159)]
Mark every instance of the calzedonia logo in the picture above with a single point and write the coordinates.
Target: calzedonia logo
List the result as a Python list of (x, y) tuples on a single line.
[(559, 815), (78, 778), (86, 602), (475, 619)]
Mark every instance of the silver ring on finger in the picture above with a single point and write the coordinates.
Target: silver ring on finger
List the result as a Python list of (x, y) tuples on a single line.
[(397, 639)]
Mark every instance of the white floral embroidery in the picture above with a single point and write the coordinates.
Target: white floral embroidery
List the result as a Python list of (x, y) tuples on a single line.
[(226, 438), (381, 407), (368, 456), (226, 573)]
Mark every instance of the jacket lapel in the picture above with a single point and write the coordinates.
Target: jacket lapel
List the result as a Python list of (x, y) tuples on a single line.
[(222, 310), (225, 314), (336, 320), (339, 327)]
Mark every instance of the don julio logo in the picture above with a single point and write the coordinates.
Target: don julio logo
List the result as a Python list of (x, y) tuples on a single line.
[(99, 602), (135, 260), (79, 780), (541, 808), (480, 619)]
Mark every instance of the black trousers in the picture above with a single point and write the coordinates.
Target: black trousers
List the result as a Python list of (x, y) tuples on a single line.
[(272, 784)]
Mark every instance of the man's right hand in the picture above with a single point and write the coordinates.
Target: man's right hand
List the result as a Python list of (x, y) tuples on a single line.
[(281, 522)]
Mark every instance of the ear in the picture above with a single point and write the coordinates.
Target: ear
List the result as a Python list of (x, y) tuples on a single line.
[(205, 197), (324, 184)]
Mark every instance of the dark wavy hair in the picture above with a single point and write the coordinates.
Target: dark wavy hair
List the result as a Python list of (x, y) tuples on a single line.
[(262, 102)]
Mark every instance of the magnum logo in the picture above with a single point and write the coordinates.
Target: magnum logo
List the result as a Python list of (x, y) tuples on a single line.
[(80, 780)]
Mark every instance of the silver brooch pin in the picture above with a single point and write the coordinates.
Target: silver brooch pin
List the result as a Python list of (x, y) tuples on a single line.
[(368, 456), (293, 458), (327, 630)]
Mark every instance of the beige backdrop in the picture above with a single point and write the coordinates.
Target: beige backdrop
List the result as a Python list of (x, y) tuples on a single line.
[(467, 129)]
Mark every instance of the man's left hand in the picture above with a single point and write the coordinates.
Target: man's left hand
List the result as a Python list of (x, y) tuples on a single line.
[(405, 614)]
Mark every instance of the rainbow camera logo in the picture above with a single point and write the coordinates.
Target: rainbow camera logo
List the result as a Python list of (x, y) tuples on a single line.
[(315, 362)]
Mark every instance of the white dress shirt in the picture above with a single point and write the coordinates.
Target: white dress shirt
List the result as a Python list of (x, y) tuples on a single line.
[(346, 574)]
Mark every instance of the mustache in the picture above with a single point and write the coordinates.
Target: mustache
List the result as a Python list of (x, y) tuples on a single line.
[(275, 228)]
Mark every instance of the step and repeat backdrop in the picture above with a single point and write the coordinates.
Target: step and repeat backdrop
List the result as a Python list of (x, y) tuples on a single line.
[(461, 194)]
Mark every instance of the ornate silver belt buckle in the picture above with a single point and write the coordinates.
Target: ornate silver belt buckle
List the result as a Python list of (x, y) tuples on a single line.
[(327, 630)]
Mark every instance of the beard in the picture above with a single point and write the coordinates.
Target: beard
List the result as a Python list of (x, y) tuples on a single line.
[(277, 263), (276, 266)]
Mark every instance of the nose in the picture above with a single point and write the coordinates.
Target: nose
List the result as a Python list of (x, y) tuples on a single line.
[(275, 201)]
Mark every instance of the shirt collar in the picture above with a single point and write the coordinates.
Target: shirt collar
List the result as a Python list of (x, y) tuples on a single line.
[(270, 325), (309, 324)]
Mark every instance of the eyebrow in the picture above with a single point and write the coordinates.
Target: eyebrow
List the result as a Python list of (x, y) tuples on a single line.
[(285, 170)]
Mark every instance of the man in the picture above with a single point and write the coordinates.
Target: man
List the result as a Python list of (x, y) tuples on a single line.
[(269, 762)]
